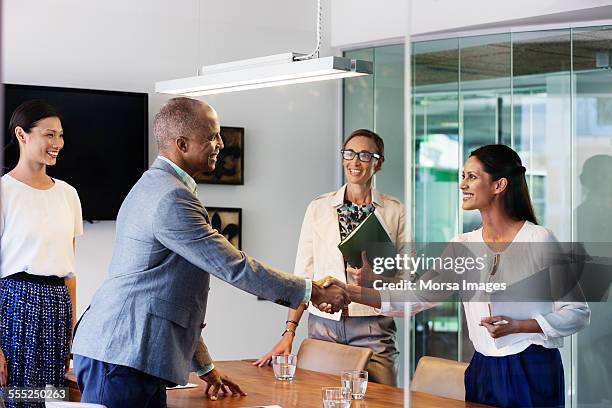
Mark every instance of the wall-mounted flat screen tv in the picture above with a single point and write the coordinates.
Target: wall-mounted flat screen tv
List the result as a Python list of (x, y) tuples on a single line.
[(106, 142)]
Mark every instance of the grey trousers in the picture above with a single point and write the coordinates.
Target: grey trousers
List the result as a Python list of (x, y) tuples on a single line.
[(374, 332)]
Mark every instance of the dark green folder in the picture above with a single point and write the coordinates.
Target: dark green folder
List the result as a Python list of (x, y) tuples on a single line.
[(370, 236)]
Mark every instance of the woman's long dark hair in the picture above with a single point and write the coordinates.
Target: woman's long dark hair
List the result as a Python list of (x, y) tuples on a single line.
[(26, 116), (500, 161)]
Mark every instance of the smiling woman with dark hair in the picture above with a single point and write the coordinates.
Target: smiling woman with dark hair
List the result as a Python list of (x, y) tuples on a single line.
[(41, 217), (527, 372)]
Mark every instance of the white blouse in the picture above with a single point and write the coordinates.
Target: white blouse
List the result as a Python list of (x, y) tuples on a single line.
[(37, 228), (564, 319)]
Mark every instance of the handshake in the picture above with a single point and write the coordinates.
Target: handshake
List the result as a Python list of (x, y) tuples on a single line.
[(329, 295)]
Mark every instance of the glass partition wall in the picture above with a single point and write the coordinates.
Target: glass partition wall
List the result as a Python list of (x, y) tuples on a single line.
[(591, 194), (547, 94)]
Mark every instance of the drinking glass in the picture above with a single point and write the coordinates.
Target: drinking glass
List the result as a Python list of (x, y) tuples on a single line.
[(356, 381), (284, 366), (336, 397)]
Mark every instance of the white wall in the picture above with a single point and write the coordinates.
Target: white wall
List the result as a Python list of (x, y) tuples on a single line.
[(291, 132), (358, 22), (362, 21)]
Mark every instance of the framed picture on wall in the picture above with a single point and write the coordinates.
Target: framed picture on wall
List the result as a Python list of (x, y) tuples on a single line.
[(228, 221), (230, 162)]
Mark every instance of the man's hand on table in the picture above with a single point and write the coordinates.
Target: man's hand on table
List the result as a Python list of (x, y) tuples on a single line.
[(216, 382)]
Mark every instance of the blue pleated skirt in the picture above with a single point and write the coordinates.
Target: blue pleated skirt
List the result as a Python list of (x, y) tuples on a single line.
[(35, 333), (531, 378)]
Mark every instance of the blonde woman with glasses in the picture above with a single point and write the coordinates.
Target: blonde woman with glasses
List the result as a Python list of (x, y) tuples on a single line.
[(329, 219)]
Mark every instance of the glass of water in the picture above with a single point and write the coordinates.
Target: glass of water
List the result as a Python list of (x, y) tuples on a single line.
[(336, 397), (284, 366), (356, 381)]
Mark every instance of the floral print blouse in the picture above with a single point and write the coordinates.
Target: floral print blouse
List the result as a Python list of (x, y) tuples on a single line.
[(350, 215)]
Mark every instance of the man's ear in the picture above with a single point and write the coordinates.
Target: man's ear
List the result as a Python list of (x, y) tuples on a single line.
[(181, 143)]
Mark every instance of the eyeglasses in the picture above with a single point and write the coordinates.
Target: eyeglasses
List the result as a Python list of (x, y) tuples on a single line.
[(364, 156)]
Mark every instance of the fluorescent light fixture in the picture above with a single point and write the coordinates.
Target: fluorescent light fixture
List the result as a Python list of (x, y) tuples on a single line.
[(263, 72)]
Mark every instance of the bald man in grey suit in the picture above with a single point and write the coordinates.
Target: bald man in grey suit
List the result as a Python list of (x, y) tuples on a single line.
[(142, 330)]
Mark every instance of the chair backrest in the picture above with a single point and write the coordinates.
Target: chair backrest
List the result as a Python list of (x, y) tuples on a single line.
[(441, 377), (331, 358)]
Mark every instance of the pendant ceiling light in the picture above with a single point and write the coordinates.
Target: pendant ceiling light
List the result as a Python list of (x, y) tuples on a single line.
[(263, 72)]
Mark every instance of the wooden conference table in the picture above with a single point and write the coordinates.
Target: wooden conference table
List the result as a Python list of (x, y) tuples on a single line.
[(303, 392)]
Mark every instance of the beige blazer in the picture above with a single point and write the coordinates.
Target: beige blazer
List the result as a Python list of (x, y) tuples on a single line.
[(318, 254)]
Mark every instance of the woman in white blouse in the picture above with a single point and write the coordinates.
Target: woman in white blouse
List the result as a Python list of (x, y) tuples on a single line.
[(526, 372), (40, 219)]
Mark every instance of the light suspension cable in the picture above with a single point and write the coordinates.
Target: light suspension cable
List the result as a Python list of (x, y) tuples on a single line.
[(315, 52)]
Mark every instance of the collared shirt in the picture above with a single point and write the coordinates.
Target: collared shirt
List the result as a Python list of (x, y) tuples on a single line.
[(192, 186), (185, 178), (336, 198)]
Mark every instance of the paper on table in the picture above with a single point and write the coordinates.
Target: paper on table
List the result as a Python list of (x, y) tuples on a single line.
[(178, 387)]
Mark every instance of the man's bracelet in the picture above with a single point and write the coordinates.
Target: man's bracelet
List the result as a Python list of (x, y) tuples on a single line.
[(292, 321)]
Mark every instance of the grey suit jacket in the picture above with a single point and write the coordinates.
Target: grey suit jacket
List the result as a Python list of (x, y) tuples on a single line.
[(150, 310)]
